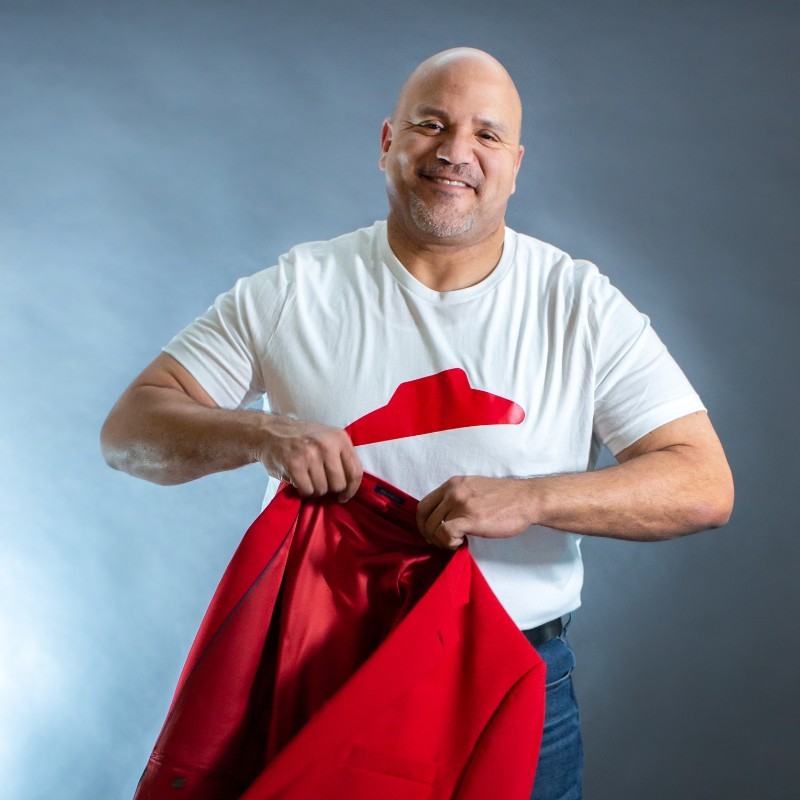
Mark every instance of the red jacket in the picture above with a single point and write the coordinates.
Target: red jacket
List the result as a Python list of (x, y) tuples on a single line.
[(344, 658)]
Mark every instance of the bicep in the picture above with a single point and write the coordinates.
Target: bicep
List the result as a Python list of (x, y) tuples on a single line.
[(164, 380), (690, 459), (638, 386), (166, 372), (134, 418), (691, 433)]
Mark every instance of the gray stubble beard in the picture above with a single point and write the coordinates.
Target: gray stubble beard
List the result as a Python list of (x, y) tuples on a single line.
[(437, 222)]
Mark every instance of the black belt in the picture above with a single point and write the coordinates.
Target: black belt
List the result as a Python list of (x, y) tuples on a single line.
[(544, 633)]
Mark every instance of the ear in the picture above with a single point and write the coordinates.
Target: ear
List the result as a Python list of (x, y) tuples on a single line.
[(386, 141), (516, 168)]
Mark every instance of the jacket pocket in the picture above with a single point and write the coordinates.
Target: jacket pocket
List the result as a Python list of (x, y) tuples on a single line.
[(373, 773)]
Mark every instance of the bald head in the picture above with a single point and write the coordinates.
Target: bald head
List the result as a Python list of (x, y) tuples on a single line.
[(458, 65), (451, 150)]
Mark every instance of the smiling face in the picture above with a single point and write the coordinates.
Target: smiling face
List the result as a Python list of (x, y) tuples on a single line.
[(451, 150)]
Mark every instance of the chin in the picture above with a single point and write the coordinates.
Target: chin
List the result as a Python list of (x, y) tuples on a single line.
[(441, 225)]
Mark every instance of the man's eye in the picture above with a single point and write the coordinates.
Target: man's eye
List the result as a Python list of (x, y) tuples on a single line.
[(489, 137), (433, 127)]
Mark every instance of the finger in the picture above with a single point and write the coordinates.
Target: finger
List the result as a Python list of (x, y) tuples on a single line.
[(446, 537), (438, 515), (334, 473), (301, 481), (452, 532), (319, 480), (353, 472), (426, 506)]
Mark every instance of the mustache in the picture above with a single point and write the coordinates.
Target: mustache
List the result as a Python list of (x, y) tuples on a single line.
[(453, 172)]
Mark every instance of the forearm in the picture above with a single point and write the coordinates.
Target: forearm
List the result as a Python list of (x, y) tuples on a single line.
[(159, 434), (674, 480), (656, 496), (167, 429)]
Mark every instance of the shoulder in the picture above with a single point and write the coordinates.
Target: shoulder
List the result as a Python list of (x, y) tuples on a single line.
[(345, 249), (315, 264), (556, 273)]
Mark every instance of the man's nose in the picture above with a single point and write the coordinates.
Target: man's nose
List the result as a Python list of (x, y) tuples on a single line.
[(455, 148)]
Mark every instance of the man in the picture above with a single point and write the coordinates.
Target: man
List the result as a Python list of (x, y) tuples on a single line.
[(442, 303)]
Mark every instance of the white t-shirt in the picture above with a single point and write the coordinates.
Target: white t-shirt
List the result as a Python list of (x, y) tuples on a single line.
[(332, 331)]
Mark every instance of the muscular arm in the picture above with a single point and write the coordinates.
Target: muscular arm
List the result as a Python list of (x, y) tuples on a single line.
[(166, 428), (673, 481)]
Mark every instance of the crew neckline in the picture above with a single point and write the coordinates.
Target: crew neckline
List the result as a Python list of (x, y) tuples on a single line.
[(419, 289)]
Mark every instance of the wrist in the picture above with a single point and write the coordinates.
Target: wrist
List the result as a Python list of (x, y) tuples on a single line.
[(537, 500), (260, 434)]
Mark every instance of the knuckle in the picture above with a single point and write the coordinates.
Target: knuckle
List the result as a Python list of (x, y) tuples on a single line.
[(309, 451), (295, 463), (459, 495), (332, 440), (341, 437), (315, 448), (303, 489), (326, 447), (318, 487)]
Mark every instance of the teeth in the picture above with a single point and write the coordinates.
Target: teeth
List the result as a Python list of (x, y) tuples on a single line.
[(451, 183)]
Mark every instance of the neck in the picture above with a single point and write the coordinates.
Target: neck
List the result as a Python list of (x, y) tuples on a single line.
[(445, 267)]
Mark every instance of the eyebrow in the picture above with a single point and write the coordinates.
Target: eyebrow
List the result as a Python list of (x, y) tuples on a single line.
[(486, 122)]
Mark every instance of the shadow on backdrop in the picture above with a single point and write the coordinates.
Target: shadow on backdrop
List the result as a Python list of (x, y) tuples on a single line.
[(152, 153)]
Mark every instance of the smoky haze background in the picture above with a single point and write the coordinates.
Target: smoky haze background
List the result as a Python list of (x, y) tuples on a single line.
[(151, 153)]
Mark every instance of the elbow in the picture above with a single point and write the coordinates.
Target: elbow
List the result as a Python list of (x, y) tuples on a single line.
[(107, 443), (119, 445), (126, 447), (710, 515), (110, 446), (714, 508)]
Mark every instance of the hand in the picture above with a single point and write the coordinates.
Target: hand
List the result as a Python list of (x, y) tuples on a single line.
[(315, 459), (475, 506)]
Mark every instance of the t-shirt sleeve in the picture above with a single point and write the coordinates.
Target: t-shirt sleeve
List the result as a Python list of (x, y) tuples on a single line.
[(638, 384), (224, 348)]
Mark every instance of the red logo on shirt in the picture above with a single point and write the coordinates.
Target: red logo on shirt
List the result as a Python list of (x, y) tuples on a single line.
[(439, 402)]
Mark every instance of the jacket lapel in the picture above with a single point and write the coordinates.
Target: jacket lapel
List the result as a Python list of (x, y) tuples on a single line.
[(428, 631)]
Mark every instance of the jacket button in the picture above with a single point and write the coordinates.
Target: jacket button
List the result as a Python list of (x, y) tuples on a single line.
[(178, 783)]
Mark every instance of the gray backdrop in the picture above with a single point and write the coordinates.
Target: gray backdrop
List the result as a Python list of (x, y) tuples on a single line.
[(150, 153)]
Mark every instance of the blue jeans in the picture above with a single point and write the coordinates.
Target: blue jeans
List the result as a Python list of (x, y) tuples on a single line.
[(558, 774)]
